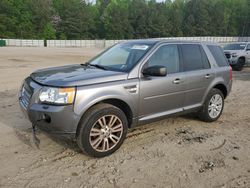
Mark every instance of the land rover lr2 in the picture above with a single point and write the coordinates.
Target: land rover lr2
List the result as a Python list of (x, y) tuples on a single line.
[(129, 84)]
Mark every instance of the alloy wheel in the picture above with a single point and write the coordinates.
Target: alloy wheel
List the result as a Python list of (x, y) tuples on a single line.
[(106, 133), (215, 106)]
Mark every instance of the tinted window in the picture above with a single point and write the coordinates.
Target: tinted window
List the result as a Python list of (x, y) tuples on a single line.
[(206, 64), (218, 54), (192, 57), (167, 56), (237, 46), (248, 47)]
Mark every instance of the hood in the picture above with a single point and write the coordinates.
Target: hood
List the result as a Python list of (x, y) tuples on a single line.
[(75, 75), (233, 51)]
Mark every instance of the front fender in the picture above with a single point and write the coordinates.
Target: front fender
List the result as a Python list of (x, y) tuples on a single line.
[(87, 96)]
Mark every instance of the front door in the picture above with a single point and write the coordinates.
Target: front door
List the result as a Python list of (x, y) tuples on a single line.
[(161, 96)]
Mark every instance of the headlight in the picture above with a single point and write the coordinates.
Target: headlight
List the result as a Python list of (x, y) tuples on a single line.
[(57, 95), (234, 55)]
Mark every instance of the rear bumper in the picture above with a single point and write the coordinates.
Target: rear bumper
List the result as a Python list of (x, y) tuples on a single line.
[(229, 87)]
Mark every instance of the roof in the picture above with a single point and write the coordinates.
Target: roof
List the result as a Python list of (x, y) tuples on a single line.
[(159, 40)]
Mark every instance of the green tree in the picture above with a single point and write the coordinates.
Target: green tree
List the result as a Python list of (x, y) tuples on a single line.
[(175, 12), (196, 18), (7, 25), (49, 32), (101, 5), (15, 19), (77, 19), (123, 19), (116, 20), (217, 15), (138, 10), (158, 22), (42, 12)]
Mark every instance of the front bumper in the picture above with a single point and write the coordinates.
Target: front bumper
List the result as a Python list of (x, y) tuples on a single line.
[(50, 118), (233, 61)]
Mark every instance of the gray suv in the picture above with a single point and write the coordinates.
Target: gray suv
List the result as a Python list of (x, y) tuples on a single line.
[(129, 84)]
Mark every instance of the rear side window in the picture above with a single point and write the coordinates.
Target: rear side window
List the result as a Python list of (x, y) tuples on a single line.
[(194, 57), (218, 54), (206, 64)]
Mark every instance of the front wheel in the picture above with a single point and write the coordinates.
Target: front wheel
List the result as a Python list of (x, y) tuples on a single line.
[(213, 106), (240, 64), (102, 130)]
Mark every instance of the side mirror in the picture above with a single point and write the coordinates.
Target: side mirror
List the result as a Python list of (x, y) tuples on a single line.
[(156, 70)]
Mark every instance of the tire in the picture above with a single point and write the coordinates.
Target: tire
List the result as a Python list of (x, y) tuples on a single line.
[(102, 130), (212, 111), (240, 64)]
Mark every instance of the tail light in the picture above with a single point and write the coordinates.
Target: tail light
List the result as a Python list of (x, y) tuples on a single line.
[(231, 74)]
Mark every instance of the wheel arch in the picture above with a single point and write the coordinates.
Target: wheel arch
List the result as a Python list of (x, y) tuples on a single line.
[(242, 57), (222, 88), (218, 84), (119, 103)]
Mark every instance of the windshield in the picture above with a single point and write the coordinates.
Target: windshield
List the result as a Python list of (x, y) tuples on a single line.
[(121, 57), (238, 46)]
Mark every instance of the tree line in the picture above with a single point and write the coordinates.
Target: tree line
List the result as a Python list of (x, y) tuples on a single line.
[(123, 19)]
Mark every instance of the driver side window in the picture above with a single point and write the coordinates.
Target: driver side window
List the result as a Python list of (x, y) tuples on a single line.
[(167, 56)]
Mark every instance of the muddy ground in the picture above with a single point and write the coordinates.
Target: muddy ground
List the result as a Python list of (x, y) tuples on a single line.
[(176, 152)]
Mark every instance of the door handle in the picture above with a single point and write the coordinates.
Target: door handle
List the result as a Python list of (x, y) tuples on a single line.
[(207, 76), (177, 81)]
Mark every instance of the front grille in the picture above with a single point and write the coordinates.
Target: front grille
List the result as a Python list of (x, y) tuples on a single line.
[(26, 94), (227, 55)]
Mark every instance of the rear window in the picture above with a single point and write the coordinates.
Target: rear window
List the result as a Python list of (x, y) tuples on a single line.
[(218, 54), (194, 57)]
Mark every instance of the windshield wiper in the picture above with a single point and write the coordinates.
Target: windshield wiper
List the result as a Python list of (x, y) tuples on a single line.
[(98, 66), (87, 64)]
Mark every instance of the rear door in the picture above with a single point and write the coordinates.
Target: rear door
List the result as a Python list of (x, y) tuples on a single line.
[(198, 74)]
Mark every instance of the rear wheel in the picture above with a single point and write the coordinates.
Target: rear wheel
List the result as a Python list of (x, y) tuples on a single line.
[(213, 106), (102, 130)]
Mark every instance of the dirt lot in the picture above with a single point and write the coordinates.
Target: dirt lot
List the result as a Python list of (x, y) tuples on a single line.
[(176, 152)]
